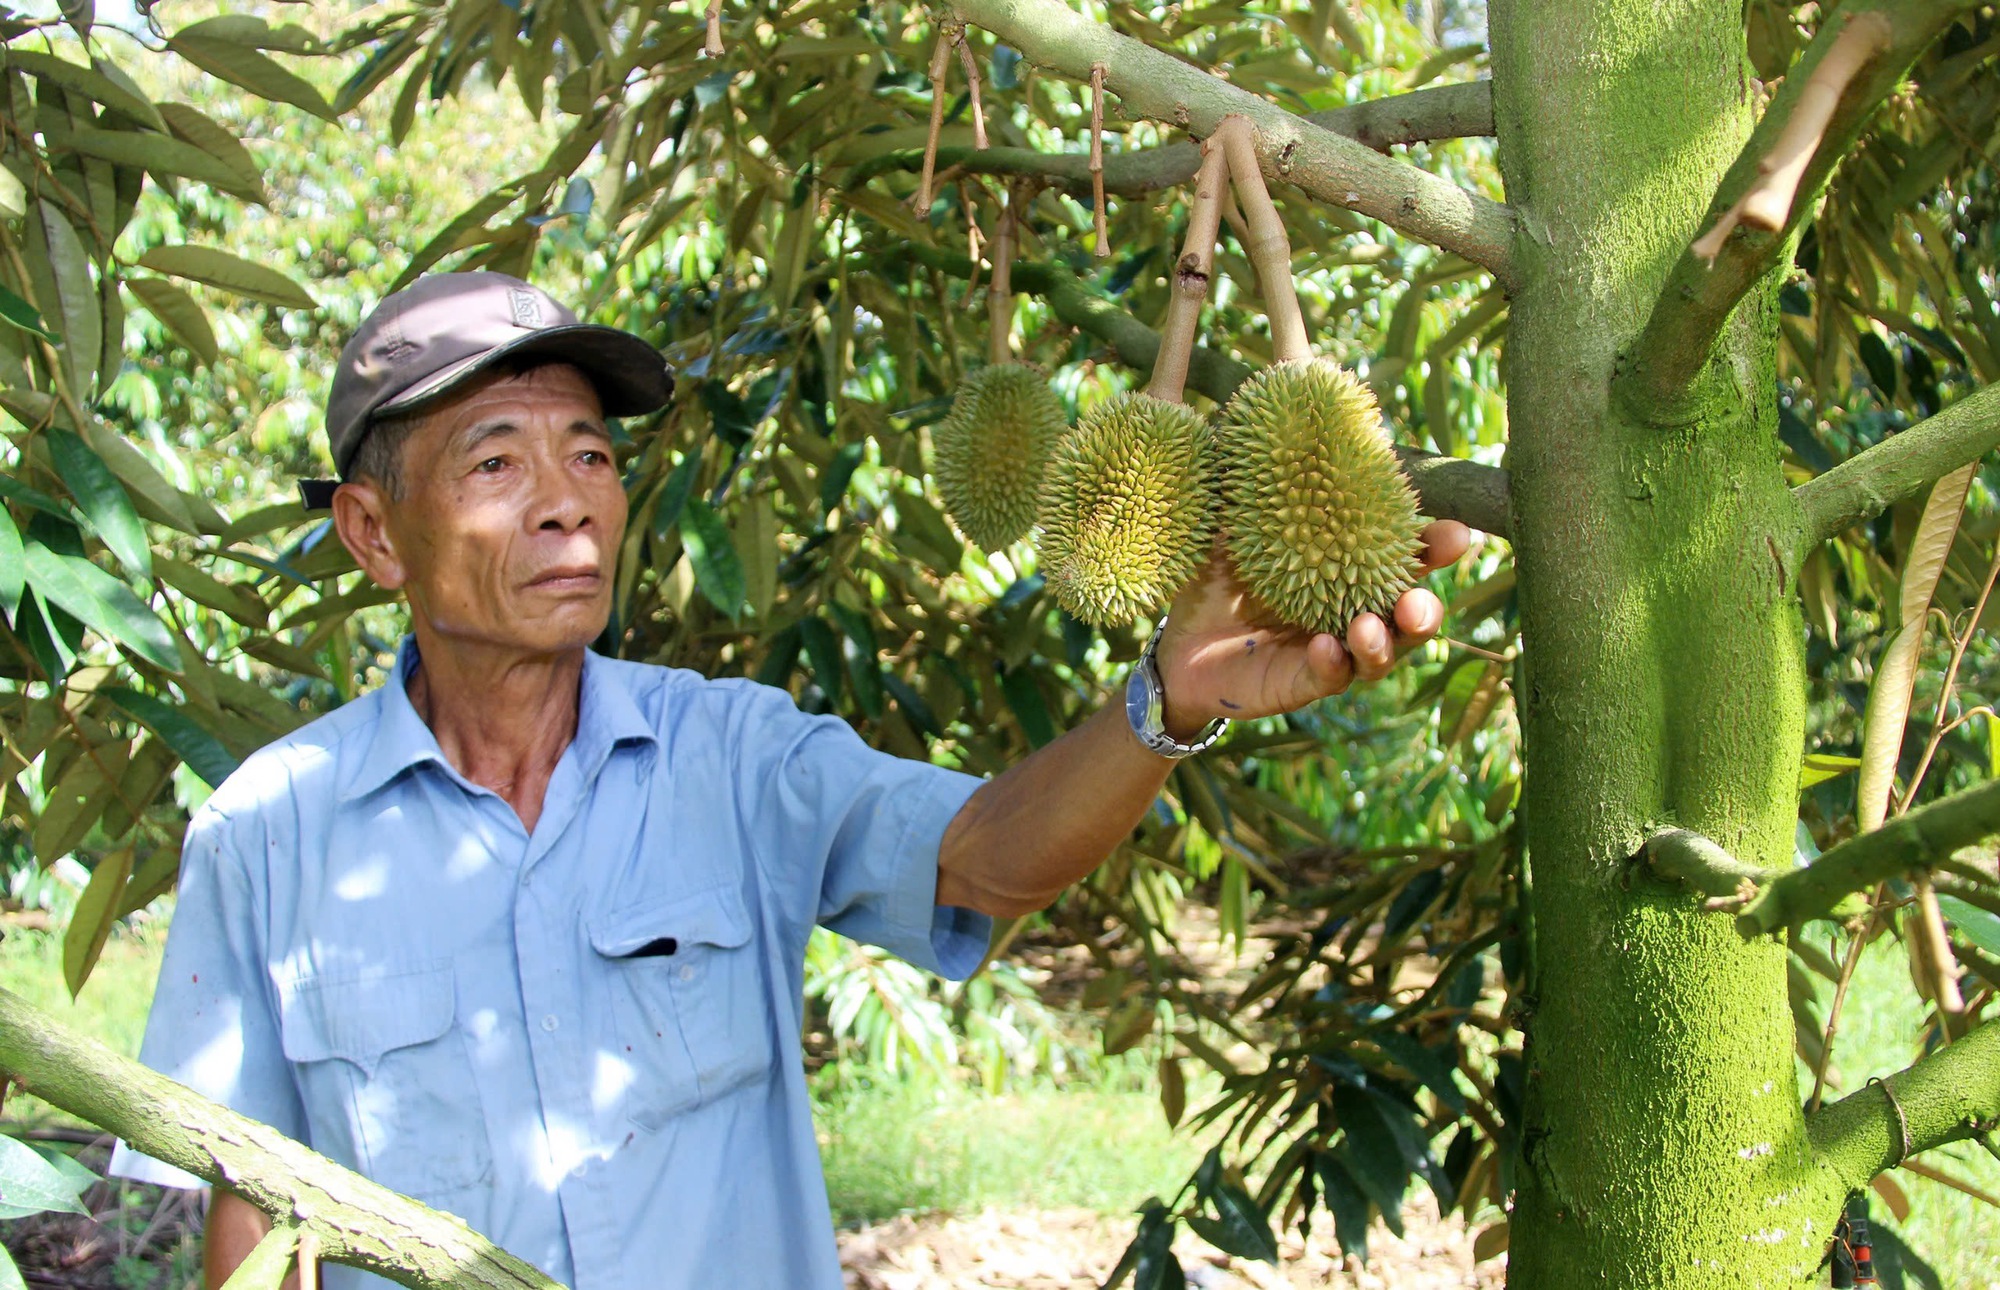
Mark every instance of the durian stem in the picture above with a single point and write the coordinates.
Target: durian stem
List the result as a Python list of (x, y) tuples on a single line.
[(1232, 215), (1097, 158), (940, 60), (1268, 247), (1000, 290), (973, 238), (712, 45), (1194, 269), (1767, 203), (971, 66)]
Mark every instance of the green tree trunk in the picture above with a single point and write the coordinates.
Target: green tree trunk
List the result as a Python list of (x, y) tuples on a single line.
[(1665, 677)]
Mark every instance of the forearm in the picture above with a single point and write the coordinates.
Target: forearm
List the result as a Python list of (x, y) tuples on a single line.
[(234, 1227), (1050, 819)]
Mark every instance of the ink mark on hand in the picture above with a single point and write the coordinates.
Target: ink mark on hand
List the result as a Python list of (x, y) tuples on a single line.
[(1231, 706)]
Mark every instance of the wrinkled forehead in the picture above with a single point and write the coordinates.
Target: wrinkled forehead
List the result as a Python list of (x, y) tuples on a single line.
[(557, 391)]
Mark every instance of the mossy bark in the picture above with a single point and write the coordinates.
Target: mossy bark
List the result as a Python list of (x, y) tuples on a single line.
[(1664, 677), (353, 1220)]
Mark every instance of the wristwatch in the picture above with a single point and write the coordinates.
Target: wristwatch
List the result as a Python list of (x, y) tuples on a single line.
[(1146, 707)]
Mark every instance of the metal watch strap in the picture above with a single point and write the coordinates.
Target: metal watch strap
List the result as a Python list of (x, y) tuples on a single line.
[(1146, 708)]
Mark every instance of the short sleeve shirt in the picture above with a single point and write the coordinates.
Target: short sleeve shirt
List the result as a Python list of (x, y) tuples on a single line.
[(584, 1040)]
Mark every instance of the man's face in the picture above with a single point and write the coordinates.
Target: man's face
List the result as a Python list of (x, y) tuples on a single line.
[(512, 513)]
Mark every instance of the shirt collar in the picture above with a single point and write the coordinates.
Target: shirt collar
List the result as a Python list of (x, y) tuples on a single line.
[(607, 716)]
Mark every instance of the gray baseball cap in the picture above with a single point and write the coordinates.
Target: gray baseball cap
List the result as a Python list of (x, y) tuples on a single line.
[(435, 335)]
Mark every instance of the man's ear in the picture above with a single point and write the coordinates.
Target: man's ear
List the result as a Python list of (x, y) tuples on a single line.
[(361, 516)]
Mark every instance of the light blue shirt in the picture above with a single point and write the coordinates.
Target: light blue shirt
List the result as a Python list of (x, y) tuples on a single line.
[(583, 1040)]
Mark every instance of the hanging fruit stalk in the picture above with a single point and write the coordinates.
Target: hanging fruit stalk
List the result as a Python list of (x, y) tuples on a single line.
[(973, 237), (1321, 523), (1000, 295), (1268, 248), (990, 453), (971, 66), (1097, 158), (1232, 215), (712, 46), (940, 62), (1196, 266), (1127, 514)]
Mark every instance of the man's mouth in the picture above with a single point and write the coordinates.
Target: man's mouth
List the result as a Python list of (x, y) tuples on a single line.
[(572, 578)]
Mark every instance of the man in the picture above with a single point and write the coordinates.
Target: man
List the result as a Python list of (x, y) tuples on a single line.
[(521, 933)]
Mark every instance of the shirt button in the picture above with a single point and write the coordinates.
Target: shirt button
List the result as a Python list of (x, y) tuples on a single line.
[(687, 972), (549, 1022)]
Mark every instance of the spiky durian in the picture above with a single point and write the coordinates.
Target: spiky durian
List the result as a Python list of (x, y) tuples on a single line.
[(990, 453), (1127, 516), (1321, 522)]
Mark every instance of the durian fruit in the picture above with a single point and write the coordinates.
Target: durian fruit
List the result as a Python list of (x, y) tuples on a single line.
[(1127, 515), (1322, 523), (990, 453)]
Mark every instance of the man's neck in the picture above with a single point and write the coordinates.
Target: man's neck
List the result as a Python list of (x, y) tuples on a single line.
[(502, 721)]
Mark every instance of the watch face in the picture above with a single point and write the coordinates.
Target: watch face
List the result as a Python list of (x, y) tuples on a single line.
[(1138, 700)]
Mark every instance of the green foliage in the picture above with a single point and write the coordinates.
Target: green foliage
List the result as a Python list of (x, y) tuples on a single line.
[(874, 1017)]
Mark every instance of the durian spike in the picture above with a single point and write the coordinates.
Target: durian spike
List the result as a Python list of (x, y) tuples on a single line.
[(1195, 267), (1000, 291), (971, 66), (940, 61), (1269, 249), (1097, 158)]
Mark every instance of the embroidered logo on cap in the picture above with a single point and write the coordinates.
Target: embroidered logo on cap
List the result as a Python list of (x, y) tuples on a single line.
[(527, 309)]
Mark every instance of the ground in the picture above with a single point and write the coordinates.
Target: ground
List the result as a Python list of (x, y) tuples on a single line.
[(146, 1236), (1075, 1249), (936, 1187)]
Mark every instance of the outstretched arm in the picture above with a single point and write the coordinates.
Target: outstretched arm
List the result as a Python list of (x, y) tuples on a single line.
[(1054, 817)]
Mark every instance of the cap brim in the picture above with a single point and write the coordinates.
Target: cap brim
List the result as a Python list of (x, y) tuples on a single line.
[(631, 377)]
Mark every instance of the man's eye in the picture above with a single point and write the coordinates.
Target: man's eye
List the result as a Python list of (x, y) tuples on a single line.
[(592, 457), (490, 465)]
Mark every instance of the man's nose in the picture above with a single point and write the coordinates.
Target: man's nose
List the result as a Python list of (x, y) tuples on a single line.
[(561, 502)]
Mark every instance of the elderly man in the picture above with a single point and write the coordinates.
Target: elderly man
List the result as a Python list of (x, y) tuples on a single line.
[(521, 933)]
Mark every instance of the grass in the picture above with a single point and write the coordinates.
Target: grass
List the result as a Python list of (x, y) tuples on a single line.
[(112, 1008), (1879, 1026), (895, 1148)]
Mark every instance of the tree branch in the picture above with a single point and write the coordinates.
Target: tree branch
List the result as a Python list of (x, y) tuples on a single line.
[(1904, 843), (356, 1222), (1948, 1096), (266, 1264), (1680, 855), (1330, 167), (1863, 49), (1460, 111), (1900, 466)]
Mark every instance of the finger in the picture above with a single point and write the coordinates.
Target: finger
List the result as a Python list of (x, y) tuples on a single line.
[(1418, 614), (1329, 666), (1368, 641), (1444, 542)]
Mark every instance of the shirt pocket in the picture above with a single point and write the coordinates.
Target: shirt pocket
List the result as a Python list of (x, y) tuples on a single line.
[(688, 1000), (382, 1064)]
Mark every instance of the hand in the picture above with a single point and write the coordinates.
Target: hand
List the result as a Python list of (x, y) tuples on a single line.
[(1216, 660)]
